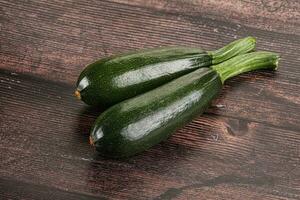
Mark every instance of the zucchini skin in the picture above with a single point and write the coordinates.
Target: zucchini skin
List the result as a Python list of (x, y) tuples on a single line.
[(114, 79), (139, 123)]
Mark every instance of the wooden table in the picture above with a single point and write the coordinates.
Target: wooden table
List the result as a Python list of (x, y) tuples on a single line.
[(246, 146)]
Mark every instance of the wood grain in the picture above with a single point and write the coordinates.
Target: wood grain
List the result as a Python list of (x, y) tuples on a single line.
[(46, 140), (12, 189), (246, 146), (57, 47), (59, 39), (273, 15)]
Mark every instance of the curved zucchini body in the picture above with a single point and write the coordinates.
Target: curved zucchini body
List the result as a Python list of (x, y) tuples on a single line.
[(114, 79), (136, 124)]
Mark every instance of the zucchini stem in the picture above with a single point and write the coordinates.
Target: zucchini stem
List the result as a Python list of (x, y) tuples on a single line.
[(245, 63), (235, 48)]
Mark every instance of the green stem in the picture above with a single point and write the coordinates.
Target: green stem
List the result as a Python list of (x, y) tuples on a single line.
[(237, 47), (246, 62)]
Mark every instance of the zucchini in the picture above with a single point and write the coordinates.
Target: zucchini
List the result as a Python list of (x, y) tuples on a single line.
[(137, 124), (114, 79)]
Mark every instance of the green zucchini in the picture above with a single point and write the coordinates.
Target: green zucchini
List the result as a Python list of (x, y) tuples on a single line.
[(114, 79), (137, 124)]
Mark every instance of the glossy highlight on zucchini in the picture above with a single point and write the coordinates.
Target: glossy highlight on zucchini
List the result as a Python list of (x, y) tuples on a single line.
[(139, 123), (114, 79)]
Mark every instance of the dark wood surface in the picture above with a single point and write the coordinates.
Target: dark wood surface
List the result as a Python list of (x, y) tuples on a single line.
[(246, 146)]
